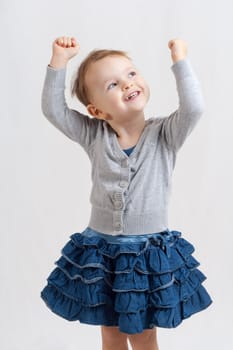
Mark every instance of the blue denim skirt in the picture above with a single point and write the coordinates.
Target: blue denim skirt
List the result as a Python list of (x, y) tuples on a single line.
[(135, 282)]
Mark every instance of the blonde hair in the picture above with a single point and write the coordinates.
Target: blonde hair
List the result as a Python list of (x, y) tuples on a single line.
[(79, 87)]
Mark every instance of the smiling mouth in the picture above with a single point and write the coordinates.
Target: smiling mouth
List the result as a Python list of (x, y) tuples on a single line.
[(132, 96)]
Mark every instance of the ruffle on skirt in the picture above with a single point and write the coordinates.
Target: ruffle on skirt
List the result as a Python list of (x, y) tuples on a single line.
[(134, 283)]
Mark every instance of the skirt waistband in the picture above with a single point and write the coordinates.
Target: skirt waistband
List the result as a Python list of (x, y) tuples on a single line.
[(127, 238)]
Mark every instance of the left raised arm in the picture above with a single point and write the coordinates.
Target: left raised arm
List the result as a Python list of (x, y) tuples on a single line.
[(179, 124)]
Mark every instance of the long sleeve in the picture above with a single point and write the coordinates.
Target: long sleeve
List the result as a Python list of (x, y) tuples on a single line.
[(179, 124), (78, 127)]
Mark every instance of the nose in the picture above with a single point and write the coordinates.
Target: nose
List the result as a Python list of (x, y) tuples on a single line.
[(127, 85)]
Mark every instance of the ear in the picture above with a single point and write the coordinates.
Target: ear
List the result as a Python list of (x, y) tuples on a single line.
[(92, 110), (95, 112)]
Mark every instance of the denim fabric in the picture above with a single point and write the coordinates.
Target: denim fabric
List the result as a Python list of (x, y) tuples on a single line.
[(135, 282)]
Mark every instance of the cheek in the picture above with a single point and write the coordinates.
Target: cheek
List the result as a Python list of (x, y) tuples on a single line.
[(98, 100), (143, 83), (148, 92), (113, 97), (146, 89)]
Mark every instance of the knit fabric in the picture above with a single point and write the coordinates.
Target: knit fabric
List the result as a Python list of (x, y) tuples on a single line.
[(130, 194)]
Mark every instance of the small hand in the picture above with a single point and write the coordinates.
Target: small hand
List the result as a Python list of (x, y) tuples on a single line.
[(64, 48), (178, 49)]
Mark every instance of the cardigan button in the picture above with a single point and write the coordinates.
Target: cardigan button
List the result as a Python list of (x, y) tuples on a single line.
[(118, 226), (123, 183), (118, 204)]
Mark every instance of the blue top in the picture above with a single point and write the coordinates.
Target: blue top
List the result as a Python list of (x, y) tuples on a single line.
[(129, 150)]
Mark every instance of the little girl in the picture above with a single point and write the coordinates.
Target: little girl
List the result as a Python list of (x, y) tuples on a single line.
[(127, 271)]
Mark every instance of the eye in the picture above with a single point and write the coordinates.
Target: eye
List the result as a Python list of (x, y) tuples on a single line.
[(112, 85), (132, 74)]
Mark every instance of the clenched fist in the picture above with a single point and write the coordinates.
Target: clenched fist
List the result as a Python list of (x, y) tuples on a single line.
[(64, 48), (178, 49)]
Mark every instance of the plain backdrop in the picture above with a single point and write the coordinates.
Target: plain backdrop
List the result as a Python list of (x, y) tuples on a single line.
[(46, 180)]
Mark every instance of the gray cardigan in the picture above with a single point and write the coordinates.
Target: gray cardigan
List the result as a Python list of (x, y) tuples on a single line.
[(130, 193)]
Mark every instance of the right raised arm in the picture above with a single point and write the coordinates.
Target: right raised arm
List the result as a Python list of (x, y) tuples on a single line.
[(78, 127)]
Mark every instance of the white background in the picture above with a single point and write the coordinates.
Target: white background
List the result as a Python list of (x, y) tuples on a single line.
[(45, 177)]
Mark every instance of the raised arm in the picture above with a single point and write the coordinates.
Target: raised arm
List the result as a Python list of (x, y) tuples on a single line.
[(179, 124), (78, 127)]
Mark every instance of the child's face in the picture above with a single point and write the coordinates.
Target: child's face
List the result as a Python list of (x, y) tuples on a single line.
[(117, 90)]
